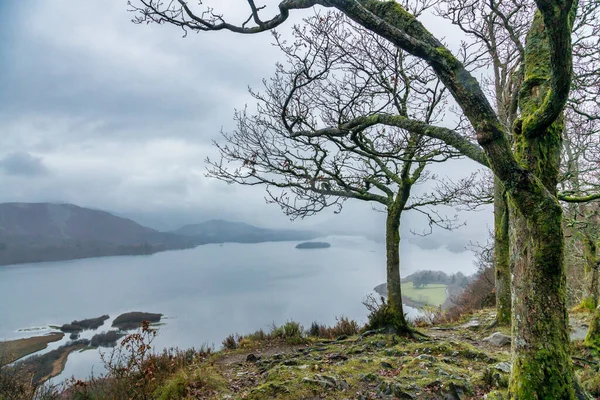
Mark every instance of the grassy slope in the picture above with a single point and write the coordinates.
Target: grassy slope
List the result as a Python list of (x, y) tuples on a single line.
[(434, 294), (452, 363)]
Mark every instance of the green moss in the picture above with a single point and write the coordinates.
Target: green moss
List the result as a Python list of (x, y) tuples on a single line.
[(542, 374), (174, 388), (592, 338), (204, 379)]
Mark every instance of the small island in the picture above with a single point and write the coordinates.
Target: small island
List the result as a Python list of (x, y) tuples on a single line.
[(133, 320), (313, 245), (84, 324)]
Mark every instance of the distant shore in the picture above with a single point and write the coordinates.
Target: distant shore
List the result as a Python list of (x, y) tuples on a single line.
[(52, 363), (13, 350)]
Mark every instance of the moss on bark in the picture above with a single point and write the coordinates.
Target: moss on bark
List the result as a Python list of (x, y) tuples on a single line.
[(590, 299), (542, 367), (501, 255), (592, 339)]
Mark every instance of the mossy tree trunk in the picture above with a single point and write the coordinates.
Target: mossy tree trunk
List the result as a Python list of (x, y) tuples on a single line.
[(501, 255), (590, 299), (592, 338), (542, 367), (392, 247)]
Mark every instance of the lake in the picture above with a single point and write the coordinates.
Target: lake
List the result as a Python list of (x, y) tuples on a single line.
[(205, 293)]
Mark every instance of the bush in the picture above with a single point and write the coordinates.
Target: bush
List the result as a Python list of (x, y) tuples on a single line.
[(342, 327), (292, 332), (382, 316), (16, 384), (230, 342)]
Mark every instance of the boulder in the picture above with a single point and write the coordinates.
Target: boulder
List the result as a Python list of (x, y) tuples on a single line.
[(498, 339)]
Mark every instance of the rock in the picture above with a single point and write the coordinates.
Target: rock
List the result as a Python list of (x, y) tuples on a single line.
[(327, 381), (252, 358), (498, 339), (472, 325), (368, 377), (426, 357), (503, 366), (400, 393), (387, 365), (457, 392), (356, 350), (394, 389), (319, 382), (338, 357)]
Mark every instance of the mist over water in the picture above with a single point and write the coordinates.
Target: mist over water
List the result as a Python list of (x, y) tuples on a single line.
[(208, 292)]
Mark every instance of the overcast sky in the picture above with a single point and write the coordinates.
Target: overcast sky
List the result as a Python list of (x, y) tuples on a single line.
[(99, 112)]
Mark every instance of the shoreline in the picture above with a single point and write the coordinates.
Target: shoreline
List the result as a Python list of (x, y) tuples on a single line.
[(14, 350)]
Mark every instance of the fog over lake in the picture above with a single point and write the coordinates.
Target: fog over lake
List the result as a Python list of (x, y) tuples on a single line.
[(207, 292)]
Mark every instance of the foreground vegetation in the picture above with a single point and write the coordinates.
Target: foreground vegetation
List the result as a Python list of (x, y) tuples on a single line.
[(449, 361)]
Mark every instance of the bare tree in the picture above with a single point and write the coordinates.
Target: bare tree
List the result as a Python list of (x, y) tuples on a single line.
[(528, 169), (336, 71)]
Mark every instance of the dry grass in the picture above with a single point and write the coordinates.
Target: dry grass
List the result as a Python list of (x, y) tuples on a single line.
[(13, 350)]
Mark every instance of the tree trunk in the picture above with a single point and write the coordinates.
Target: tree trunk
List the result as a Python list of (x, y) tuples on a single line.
[(501, 255), (542, 367), (590, 299), (592, 338), (392, 247)]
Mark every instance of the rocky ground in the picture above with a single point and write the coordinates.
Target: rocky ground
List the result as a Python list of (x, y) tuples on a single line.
[(468, 360)]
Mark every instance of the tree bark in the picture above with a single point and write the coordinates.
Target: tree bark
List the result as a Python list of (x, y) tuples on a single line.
[(590, 299), (392, 244), (592, 338), (501, 255), (542, 367)]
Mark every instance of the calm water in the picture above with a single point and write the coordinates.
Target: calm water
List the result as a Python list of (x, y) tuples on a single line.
[(205, 293)]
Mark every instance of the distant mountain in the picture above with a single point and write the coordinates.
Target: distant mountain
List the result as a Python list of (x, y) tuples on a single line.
[(32, 232), (220, 231), (35, 232)]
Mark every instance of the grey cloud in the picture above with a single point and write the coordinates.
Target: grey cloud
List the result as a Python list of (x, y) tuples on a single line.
[(22, 163), (123, 116)]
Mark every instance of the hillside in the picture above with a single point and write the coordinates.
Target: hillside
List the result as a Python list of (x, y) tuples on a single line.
[(33, 232), (37, 232), (221, 231), (466, 360)]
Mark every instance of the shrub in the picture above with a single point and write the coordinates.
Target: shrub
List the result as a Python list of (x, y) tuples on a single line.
[(289, 330), (343, 327), (230, 342), (382, 316), (16, 384)]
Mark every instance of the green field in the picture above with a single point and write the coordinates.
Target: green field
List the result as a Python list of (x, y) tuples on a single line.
[(433, 294)]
